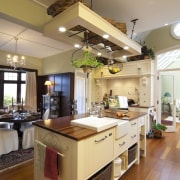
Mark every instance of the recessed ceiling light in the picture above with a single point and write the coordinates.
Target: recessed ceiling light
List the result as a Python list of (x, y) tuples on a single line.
[(76, 45), (166, 24), (99, 54), (62, 29), (126, 47), (105, 36)]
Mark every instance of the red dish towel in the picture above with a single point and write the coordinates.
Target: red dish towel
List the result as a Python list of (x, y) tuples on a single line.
[(51, 164)]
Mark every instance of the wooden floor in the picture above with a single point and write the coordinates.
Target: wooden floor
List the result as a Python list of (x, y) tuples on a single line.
[(162, 162)]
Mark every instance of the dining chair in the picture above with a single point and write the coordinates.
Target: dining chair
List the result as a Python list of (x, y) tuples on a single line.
[(4, 125), (9, 140), (28, 138), (28, 133)]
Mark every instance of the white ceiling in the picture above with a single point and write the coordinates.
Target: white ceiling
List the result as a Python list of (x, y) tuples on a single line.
[(152, 14), (30, 42)]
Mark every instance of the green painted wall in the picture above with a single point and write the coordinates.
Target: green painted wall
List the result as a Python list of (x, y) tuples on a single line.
[(161, 40), (25, 10)]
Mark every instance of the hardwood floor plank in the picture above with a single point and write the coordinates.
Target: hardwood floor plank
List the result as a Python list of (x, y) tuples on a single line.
[(153, 175), (178, 144), (165, 153)]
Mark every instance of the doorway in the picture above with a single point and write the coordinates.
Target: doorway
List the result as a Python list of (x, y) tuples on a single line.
[(167, 99)]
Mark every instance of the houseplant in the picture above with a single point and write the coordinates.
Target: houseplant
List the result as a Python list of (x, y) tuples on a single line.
[(87, 62), (147, 52), (157, 129)]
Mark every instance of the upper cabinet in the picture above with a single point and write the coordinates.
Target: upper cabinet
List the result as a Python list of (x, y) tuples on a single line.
[(133, 68)]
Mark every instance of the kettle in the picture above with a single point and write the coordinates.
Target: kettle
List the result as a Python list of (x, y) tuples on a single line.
[(130, 102)]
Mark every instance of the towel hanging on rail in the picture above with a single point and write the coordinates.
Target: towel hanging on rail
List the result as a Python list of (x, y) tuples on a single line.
[(49, 162), (51, 165)]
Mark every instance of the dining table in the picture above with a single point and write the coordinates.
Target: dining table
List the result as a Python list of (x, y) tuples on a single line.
[(17, 119)]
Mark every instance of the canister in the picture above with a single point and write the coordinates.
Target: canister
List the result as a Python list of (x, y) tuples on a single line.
[(117, 167)]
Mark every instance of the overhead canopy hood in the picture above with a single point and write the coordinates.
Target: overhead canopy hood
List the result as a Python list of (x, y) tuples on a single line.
[(78, 18)]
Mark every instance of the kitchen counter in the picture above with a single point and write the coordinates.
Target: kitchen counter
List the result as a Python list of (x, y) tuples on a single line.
[(62, 125), (86, 152)]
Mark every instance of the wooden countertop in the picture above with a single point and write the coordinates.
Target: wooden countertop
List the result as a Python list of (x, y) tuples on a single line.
[(63, 126)]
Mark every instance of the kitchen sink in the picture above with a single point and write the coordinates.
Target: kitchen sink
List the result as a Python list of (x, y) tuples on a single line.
[(95, 123), (122, 128)]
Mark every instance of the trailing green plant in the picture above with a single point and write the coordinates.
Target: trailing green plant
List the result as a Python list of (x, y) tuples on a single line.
[(87, 61), (158, 126)]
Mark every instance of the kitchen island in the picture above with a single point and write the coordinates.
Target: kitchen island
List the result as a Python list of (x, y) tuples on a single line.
[(83, 151)]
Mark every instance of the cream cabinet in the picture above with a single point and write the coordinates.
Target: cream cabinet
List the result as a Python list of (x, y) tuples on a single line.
[(81, 158), (130, 69), (146, 91), (84, 158), (147, 110), (99, 151), (135, 141)]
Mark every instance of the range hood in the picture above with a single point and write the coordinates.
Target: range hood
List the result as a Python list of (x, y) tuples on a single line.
[(78, 18)]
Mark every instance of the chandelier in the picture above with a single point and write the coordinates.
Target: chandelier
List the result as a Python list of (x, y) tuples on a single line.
[(15, 60)]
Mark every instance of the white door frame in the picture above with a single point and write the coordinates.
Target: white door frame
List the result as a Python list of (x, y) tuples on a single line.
[(173, 127), (87, 85)]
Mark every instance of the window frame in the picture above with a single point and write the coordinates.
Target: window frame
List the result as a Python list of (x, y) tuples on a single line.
[(18, 82)]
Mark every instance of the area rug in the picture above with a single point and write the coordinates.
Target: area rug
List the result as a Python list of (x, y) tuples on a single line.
[(15, 158)]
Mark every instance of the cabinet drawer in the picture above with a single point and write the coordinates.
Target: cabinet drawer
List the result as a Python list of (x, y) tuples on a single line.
[(98, 147), (134, 130), (121, 145), (146, 102)]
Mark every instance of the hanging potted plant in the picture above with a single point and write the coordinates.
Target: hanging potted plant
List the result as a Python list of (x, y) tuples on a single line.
[(87, 62)]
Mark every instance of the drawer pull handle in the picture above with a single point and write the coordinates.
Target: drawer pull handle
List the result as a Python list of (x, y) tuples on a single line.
[(102, 139), (133, 136), (122, 144), (133, 124)]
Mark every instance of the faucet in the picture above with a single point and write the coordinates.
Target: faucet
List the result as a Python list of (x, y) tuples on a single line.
[(100, 112)]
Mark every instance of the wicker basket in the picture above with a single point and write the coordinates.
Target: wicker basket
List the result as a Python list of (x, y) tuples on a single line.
[(104, 174), (118, 25), (61, 5), (132, 153)]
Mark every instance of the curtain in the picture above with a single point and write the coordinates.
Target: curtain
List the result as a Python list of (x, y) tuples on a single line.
[(31, 92)]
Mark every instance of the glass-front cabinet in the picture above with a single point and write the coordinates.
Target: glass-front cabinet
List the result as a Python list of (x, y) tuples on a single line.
[(51, 102)]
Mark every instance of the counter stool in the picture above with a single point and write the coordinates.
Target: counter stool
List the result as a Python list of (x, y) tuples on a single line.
[(8, 140)]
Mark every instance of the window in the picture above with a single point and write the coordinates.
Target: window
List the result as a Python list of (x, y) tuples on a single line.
[(175, 30), (14, 87)]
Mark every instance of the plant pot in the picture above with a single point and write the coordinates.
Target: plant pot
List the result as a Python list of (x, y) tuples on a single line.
[(157, 133), (87, 69)]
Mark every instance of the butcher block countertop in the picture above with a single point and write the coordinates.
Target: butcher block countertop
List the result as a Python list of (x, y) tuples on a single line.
[(62, 125)]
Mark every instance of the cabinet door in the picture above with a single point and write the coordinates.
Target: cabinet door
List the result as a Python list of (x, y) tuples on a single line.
[(99, 151), (54, 106)]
